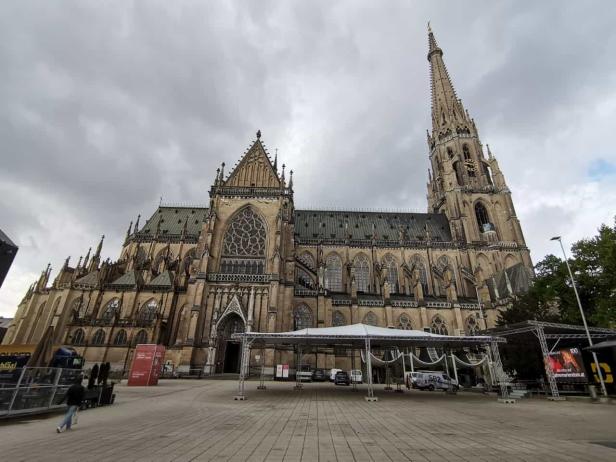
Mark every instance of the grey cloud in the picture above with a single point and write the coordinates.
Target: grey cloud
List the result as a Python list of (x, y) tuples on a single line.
[(107, 106)]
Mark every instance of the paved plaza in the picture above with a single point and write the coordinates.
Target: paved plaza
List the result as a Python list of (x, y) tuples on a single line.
[(187, 420)]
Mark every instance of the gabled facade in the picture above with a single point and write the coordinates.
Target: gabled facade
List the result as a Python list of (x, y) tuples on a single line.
[(192, 276)]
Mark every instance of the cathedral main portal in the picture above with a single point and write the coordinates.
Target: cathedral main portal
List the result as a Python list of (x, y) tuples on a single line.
[(228, 350)]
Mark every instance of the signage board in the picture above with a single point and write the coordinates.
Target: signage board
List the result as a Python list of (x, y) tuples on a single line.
[(147, 365), (567, 365)]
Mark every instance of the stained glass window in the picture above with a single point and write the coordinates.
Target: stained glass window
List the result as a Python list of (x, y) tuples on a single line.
[(392, 272), (148, 311), (141, 337), (404, 322), (333, 273), (245, 236), (438, 326), (472, 326), (244, 244), (120, 338), (417, 261), (302, 317), (99, 337), (361, 271), (112, 307), (338, 319), (370, 319), (79, 337)]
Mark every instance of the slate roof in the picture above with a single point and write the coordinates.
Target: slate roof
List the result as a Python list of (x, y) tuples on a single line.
[(323, 224), (172, 221), (90, 279), (130, 279), (164, 279)]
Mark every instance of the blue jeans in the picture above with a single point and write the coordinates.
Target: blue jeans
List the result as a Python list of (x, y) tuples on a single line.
[(68, 417)]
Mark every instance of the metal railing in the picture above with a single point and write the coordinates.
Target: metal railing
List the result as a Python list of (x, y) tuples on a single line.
[(34, 389)]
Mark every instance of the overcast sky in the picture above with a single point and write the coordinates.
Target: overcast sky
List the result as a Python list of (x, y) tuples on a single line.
[(107, 106)]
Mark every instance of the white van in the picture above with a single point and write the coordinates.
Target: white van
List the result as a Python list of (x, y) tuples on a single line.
[(432, 380), (332, 374), (355, 375)]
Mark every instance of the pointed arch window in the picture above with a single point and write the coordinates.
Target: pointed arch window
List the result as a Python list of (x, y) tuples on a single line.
[(141, 337), (392, 272), (333, 273), (417, 262), (78, 307), (483, 219), (120, 338), (371, 319), (99, 337), (404, 322), (147, 312), (302, 317), (468, 161), (472, 326), (79, 337), (443, 264), (304, 279), (361, 272), (438, 326), (338, 319), (243, 249), (308, 260), (111, 309)]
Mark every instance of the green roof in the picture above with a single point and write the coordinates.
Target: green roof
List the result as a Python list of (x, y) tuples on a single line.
[(324, 224), (90, 279), (172, 221), (130, 279), (164, 279)]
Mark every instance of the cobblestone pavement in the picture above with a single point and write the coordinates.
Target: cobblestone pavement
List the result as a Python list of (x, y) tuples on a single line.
[(199, 420)]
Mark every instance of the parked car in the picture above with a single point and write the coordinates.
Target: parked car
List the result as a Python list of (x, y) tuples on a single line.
[(355, 376), (342, 378), (304, 373), (433, 380), (332, 374), (319, 375)]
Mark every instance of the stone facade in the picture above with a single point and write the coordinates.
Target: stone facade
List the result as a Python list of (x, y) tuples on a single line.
[(192, 276)]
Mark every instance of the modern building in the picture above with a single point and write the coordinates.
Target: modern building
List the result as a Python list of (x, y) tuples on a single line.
[(8, 250), (249, 260)]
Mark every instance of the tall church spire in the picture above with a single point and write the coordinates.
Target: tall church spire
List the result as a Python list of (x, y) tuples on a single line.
[(447, 109)]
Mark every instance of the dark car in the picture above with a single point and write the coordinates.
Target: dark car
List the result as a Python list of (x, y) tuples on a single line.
[(342, 378), (319, 375)]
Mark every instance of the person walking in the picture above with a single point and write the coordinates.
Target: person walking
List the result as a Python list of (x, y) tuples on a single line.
[(74, 397)]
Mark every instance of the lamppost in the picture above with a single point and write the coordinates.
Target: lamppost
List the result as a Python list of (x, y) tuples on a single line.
[(594, 355)]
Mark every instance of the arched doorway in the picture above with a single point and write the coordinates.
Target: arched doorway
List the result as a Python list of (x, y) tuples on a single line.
[(228, 351)]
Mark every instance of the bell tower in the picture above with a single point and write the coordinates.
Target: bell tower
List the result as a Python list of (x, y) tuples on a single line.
[(464, 184)]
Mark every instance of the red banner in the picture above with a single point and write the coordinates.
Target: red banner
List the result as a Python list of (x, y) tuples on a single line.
[(147, 365)]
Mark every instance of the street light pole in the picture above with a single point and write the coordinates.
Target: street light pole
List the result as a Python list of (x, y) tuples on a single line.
[(579, 302)]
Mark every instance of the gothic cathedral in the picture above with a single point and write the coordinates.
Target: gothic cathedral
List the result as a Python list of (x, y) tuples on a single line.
[(192, 276)]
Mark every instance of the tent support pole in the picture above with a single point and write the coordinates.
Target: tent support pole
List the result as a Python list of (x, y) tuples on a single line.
[(262, 378), (455, 369), (370, 396), (241, 396), (298, 366)]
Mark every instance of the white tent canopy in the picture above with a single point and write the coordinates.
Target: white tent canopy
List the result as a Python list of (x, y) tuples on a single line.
[(357, 334)]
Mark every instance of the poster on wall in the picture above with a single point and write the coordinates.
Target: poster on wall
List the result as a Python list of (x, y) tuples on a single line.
[(147, 365), (567, 365)]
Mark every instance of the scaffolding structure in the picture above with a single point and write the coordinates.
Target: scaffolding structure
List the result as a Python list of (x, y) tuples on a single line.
[(357, 336), (545, 331)]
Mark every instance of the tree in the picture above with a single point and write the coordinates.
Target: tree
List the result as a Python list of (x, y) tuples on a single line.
[(551, 297)]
